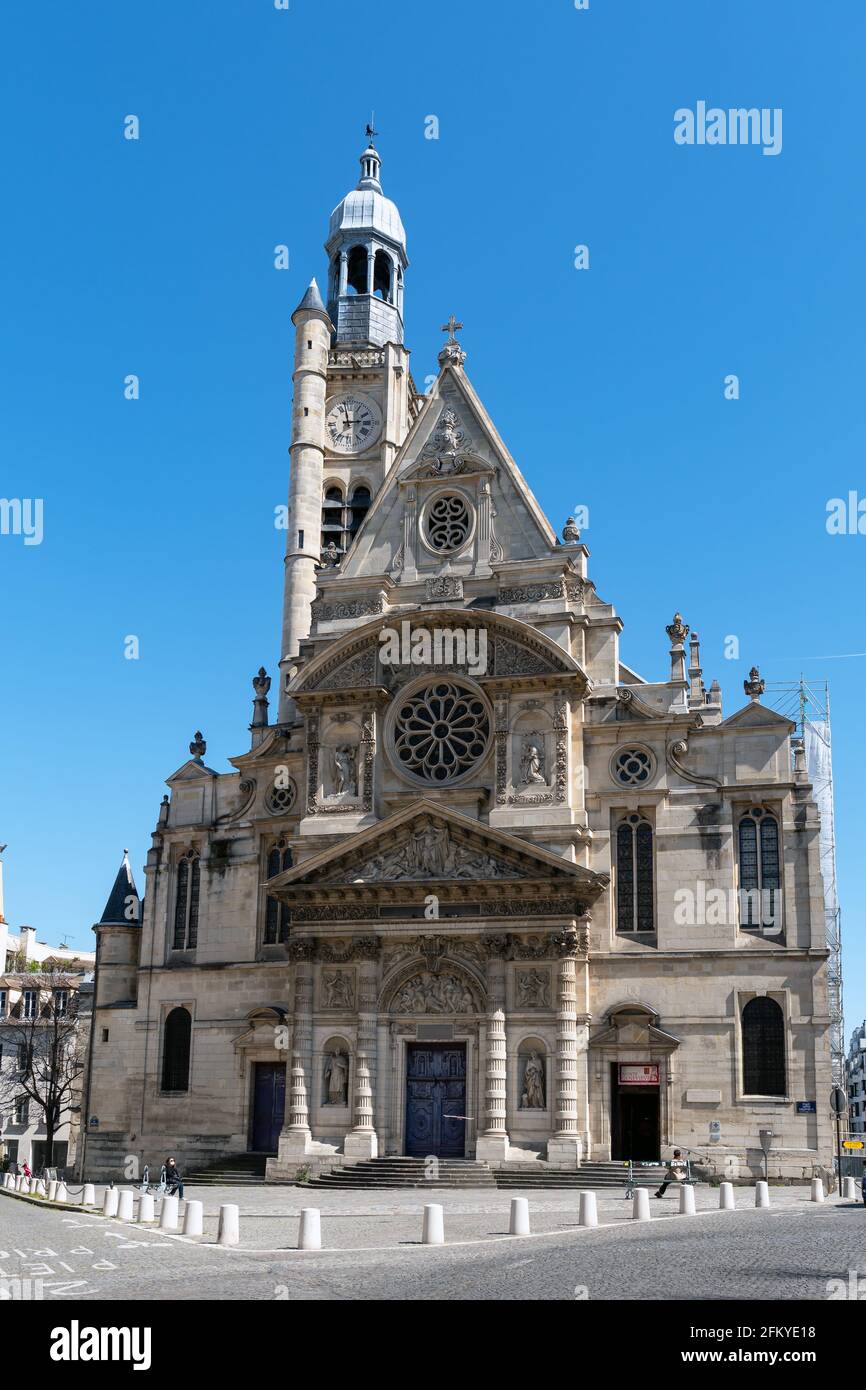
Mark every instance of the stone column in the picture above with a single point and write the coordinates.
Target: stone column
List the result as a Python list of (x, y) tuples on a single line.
[(383, 1123), (564, 1148), (295, 1140), (344, 274), (492, 1145), (361, 1141)]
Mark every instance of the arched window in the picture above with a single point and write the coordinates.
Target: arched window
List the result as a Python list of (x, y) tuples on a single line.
[(357, 270), (176, 1038), (333, 520), (358, 509), (760, 882), (277, 913), (186, 902), (763, 1048), (635, 910), (382, 275)]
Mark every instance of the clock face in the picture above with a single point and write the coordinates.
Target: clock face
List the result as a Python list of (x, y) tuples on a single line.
[(353, 423)]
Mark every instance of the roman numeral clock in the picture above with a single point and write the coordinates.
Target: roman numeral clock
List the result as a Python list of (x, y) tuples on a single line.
[(354, 423)]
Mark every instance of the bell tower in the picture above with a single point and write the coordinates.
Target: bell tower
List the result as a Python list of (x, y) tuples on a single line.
[(367, 259)]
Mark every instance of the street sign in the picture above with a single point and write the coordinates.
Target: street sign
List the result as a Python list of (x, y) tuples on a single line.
[(852, 1144), (806, 1107)]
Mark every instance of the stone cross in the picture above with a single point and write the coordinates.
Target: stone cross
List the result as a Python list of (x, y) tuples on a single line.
[(450, 328)]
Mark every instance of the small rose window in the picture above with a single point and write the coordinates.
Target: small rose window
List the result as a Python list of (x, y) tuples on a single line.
[(632, 767), (448, 522)]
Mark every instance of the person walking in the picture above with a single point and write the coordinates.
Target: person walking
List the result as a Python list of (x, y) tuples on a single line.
[(173, 1179), (676, 1172)]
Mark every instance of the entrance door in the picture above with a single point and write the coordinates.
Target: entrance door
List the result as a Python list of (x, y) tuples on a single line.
[(269, 1105), (436, 1100), (635, 1128)]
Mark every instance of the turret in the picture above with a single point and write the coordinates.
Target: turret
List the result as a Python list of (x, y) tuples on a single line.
[(118, 938), (313, 331)]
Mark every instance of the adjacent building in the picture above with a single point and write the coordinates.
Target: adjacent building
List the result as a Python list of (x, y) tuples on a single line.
[(855, 1069), (475, 888)]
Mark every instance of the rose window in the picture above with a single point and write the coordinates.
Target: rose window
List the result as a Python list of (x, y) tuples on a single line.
[(632, 767), (441, 732), (449, 522)]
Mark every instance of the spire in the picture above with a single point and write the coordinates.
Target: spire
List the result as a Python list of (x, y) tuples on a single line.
[(123, 908), (312, 300), (371, 166)]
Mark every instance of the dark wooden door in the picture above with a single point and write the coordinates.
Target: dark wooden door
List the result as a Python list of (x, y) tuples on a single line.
[(269, 1105), (436, 1101)]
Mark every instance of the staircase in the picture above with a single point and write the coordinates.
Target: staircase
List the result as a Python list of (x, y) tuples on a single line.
[(375, 1173), (597, 1177), (235, 1170)]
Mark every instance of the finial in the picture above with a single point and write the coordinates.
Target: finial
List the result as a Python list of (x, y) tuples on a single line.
[(371, 132), (452, 351), (198, 747), (754, 686), (571, 532), (261, 683), (677, 630)]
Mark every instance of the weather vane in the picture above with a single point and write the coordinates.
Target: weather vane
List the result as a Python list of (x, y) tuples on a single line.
[(372, 132)]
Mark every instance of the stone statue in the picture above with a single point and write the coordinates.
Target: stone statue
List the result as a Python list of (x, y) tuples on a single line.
[(337, 1078), (338, 990), (532, 765), (345, 770), (533, 1083)]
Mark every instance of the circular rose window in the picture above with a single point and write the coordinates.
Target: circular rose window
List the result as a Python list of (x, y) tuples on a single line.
[(448, 522), (440, 731)]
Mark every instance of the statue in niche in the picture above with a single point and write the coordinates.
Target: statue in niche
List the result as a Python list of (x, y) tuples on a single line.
[(338, 990), (345, 760), (533, 1083), (532, 989), (532, 765), (337, 1078)]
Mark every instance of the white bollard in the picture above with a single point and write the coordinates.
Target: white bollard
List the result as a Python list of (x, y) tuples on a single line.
[(168, 1213), (8, 1180), (762, 1194), (125, 1210), (849, 1190), (433, 1225), (88, 1196), (640, 1207), (726, 1197), (110, 1202), (193, 1219), (19, 1182), (62, 1194), (310, 1230), (40, 1187), (25, 1184), (52, 1189), (687, 1200), (145, 1207), (588, 1209), (817, 1190), (229, 1227), (518, 1224)]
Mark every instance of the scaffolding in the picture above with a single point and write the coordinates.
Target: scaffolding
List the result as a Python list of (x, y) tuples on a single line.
[(808, 706)]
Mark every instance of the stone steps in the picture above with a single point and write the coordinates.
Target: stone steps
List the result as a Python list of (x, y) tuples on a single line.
[(377, 1173), (238, 1170)]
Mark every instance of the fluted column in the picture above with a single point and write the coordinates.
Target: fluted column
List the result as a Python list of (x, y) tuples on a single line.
[(296, 1136), (361, 1141), (564, 1148), (492, 1145)]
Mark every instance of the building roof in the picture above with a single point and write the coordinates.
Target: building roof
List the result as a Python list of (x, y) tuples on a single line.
[(365, 208), (116, 911)]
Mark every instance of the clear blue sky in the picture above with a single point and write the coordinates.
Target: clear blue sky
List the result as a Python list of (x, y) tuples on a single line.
[(155, 257)]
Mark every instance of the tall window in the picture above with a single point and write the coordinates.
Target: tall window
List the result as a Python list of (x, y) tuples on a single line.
[(28, 1004), (177, 1034), (61, 1002), (634, 876), (4, 1002), (186, 902), (760, 882), (277, 913), (20, 1110), (763, 1048)]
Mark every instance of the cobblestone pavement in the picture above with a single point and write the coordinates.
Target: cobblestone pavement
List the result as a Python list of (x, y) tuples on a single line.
[(373, 1250)]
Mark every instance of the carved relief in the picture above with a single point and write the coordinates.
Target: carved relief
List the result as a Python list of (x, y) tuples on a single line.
[(429, 852), (338, 989), (356, 608), (426, 993), (533, 989)]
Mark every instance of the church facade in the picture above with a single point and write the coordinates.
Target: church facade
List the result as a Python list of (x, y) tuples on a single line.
[(476, 889)]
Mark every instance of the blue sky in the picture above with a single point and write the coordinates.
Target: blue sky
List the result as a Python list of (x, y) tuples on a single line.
[(155, 257)]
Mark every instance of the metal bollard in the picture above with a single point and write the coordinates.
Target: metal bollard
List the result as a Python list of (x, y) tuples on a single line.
[(110, 1202), (145, 1207), (726, 1196), (640, 1207), (229, 1227), (433, 1225), (762, 1194), (193, 1219), (168, 1213), (310, 1230), (88, 1198), (687, 1200), (588, 1209), (518, 1224), (125, 1209)]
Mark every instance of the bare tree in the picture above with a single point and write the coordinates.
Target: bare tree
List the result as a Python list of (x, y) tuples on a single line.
[(46, 1062)]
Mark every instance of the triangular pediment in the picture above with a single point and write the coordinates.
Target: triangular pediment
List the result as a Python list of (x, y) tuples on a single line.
[(191, 771), (426, 844), (453, 439), (754, 715)]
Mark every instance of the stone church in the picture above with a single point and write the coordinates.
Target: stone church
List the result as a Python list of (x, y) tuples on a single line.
[(475, 889)]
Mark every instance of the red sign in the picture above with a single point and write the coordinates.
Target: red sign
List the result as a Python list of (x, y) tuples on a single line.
[(638, 1073)]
